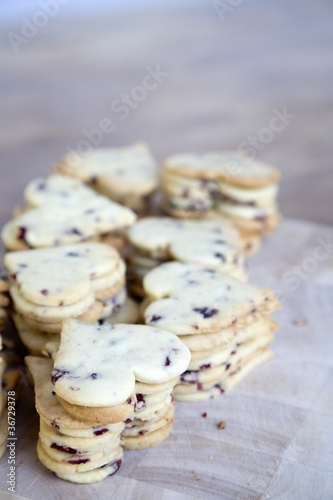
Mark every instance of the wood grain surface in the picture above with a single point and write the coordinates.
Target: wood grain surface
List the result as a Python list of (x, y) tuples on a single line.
[(278, 440)]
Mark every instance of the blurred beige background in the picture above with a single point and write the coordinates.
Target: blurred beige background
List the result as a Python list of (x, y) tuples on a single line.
[(220, 72)]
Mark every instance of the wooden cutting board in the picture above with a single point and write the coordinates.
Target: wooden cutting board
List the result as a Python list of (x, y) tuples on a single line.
[(278, 440)]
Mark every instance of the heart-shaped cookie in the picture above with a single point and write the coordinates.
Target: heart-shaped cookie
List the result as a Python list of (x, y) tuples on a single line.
[(118, 356)]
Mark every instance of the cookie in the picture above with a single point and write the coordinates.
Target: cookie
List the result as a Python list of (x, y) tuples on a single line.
[(213, 243), (57, 223), (128, 313), (160, 358), (199, 299), (239, 188), (51, 285), (138, 428), (64, 275), (228, 166), (93, 476), (72, 449), (49, 408), (223, 321), (33, 339), (127, 175), (147, 440), (76, 464)]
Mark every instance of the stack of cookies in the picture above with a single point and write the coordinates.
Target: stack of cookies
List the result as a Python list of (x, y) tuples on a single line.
[(224, 322), (84, 281), (77, 450), (127, 377), (4, 300), (213, 243), (237, 187), (127, 175), (61, 211)]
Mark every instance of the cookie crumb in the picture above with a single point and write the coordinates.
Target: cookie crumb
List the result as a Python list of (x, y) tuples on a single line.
[(300, 321), (222, 425), (277, 462), (204, 415)]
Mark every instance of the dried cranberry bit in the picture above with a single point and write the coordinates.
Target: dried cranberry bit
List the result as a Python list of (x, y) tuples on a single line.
[(61, 303), (53, 393), (200, 387), (21, 233), (220, 256), (64, 449), (99, 432), (155, 318), (144, 431), (94, 376), (12, 276), (227, 366), (73, 230), (167, 361), (128, 421), (54, 425), (204, 415), (205, 367), (93, 179), (116, 464), (206, 311), (44, 292), (79, 461), (57, 374), (141, 402)]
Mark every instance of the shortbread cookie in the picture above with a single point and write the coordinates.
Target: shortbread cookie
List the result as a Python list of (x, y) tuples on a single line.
[(76, 464), (128, 313), (57, 190), (161, 357), (240, 188), (33, 339), (232, 379), (63, 275), (54, 223), (199, 299), (127, 175), (138, 427), (90, 316), (223, 321), (69, 447), (213, 243), (147, 440), (52, 411), (92, 476), (232, 167)]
